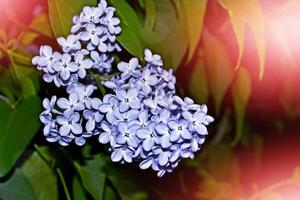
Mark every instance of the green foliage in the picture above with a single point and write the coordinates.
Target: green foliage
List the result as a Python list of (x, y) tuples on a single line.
[(109, 194), (165, 30), (62, 12), (195, 11), (150, 15), (78, 191), (17, 187), (130, 41), (39, 175), (93, 177), (7, 86), (198, 86), (171, 30), (131, 26), (18, 125)]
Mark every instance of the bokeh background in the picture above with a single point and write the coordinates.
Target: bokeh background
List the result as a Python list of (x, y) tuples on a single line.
[(240, 57)]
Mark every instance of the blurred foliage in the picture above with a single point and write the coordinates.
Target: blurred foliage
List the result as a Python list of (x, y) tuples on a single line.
[(220, 52)]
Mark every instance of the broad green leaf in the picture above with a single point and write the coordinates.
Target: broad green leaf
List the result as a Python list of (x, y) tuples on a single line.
[(130, 41), (41, 178), (127, 14), (141, 3), (168, 38), (219, 67), (16, 187), (249, 13), (241, 92), (93, 177), (78, 191), (25, 76), (131, 27), (127, 183), (109, 194), (7, 87), (198, 86), (171, 32), (28, 88), (18, 126), (62, 12), (195, 11), (150, 14)]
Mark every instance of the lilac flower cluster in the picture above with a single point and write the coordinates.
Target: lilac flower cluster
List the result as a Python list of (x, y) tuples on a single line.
[(146, 121), (141, 120), (85, 51), (87, 48)]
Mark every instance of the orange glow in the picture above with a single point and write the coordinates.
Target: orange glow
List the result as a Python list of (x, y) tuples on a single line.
[(283, 31)]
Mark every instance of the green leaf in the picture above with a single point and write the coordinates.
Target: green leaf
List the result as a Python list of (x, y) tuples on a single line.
[(17, 187), (93, 177), (198, 86), (249, 13), (8, 87), (150, 14), (131, 27), (219, 67), (127, 183), (195, 11), (41, 178), (62, 12), (25, 76), (78, 191), (18, 126), (170, 38), (130, 41), (109, 194), (241, 92), (141, 3), (127, 14)]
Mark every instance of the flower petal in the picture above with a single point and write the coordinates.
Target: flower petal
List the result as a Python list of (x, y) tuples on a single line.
[(116, 155)]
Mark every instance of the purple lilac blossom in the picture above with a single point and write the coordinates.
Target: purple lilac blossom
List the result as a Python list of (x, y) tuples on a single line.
[(142, 120)]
